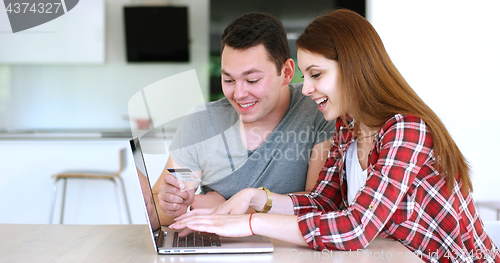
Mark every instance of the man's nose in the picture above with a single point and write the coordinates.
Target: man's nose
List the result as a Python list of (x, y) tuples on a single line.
[(240, 91)]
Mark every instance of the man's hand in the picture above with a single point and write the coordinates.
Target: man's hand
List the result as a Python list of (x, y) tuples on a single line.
[(173, 200), (208, 200)]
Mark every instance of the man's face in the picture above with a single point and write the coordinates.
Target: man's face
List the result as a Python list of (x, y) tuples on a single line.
[(251, 83)]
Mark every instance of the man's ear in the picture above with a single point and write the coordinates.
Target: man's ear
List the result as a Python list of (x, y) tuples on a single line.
[(287, 71)]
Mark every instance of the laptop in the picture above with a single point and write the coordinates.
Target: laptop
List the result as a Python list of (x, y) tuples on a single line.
[(167, 241)]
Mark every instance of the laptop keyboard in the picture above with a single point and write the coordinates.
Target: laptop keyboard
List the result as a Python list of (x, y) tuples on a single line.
[(196, 239)]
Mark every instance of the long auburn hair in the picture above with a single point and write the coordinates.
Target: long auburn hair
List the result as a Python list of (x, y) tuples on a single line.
[(372, 86)]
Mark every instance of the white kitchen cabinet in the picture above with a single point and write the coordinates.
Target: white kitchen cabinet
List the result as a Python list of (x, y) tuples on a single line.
[(76, 37)]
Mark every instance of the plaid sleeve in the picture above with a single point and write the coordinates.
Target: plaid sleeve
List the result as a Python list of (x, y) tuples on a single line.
[(326, 195), (403, 146)]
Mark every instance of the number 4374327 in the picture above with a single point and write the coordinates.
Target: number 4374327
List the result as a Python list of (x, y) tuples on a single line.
[(40, 8)]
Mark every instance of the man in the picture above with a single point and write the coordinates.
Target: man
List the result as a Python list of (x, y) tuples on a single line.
[(264, 133)]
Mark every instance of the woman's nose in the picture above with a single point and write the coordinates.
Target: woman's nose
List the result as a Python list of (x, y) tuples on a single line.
[(307, 89)]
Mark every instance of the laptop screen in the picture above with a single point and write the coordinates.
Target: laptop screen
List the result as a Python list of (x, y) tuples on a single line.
[(140, 165)]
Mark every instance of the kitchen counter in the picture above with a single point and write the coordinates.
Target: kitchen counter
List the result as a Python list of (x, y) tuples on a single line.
[(78, 134)]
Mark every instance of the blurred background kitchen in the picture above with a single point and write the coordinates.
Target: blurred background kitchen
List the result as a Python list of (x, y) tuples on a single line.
[(65, 87)]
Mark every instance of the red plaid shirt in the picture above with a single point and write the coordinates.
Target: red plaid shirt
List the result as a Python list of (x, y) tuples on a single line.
[(404, 198)]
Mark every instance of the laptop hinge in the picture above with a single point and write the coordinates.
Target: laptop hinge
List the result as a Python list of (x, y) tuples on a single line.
[(160, 237)]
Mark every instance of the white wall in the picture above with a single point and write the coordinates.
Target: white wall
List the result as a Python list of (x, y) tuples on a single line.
[(448, 51), (95, 96)]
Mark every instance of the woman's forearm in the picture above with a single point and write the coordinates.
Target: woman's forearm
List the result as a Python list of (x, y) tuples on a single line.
[(280, 227), (280, 222), (281, 204)]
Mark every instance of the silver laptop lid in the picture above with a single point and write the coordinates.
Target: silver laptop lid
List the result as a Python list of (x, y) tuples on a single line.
[(250, 244), (149, 203)]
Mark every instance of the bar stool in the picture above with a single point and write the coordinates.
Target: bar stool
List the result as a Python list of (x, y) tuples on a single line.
[(94, 175)]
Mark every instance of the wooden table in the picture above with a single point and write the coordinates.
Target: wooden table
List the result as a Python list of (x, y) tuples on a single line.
[(132, 243)]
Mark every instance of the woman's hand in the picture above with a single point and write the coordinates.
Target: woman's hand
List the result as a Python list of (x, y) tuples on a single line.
[(208, 200), (229, 219), (222, 225), (280, 227), (236, 205)]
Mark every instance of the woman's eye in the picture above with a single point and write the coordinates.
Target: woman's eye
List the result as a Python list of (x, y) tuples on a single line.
[(302, 76), (228, 80), (315, 75)]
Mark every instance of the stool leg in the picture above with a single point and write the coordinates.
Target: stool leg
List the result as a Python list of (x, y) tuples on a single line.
[(53, 205), (61, 219), (125, 201), (123, 205), (118, 201)]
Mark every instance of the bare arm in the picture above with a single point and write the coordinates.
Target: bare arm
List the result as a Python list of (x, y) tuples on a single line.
[(319, 154), (208, 200), (283, 226), (280, 227)]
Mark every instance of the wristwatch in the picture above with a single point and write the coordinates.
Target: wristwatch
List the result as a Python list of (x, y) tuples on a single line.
[(269, 202)]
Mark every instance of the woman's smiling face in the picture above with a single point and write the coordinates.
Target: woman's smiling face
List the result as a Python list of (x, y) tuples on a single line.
[(321, 82)]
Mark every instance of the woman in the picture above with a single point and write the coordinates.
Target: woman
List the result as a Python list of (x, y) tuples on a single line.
[(393, 168)]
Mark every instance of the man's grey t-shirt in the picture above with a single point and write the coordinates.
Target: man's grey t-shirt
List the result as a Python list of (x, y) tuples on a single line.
[(209, 140)]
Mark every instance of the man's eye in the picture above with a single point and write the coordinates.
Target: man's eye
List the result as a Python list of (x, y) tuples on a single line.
[(253, 81), (228, 80)]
